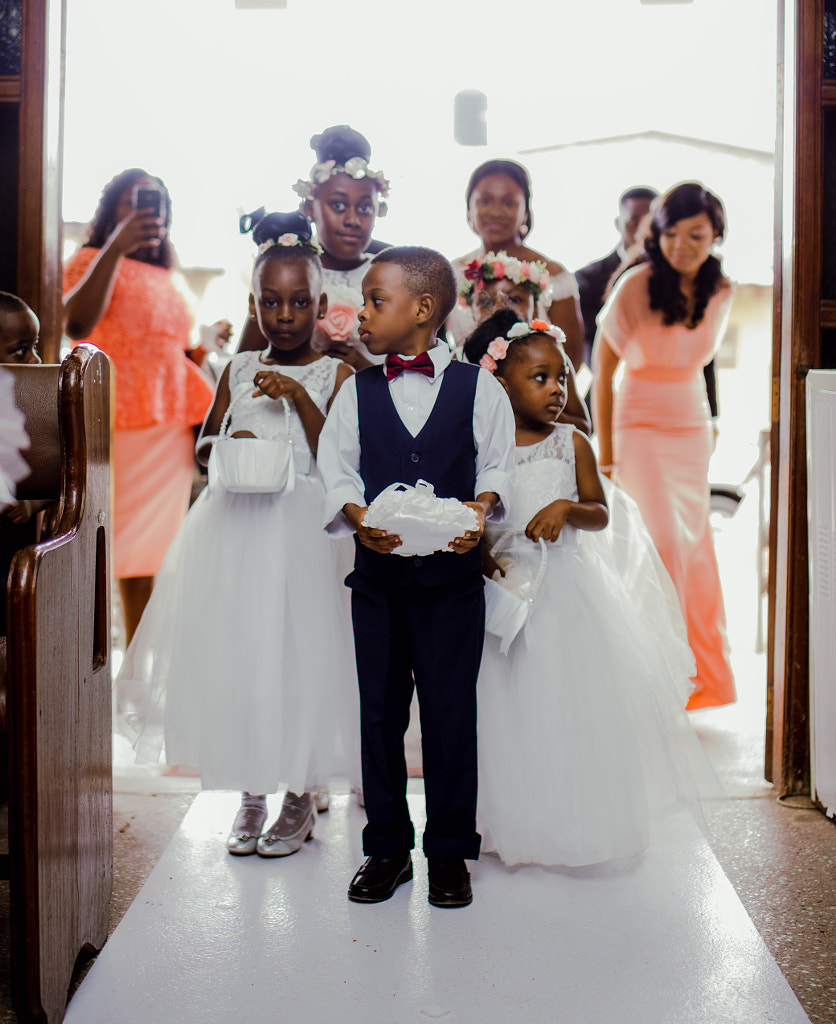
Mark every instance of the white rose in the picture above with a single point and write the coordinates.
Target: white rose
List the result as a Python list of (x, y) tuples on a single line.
[(356, 167)]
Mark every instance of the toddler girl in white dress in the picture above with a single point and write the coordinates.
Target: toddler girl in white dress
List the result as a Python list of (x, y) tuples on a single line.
[(582, 729)]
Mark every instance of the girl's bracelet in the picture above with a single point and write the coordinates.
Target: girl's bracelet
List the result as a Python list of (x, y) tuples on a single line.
[(608, 468)]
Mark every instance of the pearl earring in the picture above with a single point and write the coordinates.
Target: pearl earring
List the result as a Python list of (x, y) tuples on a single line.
[(523, 230)]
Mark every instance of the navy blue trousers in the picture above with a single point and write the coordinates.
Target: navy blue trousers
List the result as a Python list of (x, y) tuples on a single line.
[(428, 639)]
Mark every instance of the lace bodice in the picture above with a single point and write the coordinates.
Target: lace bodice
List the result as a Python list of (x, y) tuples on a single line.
[(264, 416), (543, 473)]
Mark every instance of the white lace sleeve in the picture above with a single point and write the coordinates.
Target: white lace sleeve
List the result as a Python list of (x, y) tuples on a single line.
[(561, 286)]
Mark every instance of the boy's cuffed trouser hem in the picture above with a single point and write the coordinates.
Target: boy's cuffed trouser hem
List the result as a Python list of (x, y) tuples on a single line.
[(446, 846)]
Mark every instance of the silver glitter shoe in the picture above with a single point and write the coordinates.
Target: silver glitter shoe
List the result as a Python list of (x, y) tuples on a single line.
[(293, 827), (246, 829)]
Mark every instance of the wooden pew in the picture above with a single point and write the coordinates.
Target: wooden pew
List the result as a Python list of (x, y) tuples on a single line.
[(59, 687)]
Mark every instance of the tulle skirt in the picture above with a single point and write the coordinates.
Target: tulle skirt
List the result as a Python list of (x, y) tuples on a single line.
[(583, 735), (243, 663)]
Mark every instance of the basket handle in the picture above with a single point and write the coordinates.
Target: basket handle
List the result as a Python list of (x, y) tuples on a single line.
[(241, 392), (544, 559)]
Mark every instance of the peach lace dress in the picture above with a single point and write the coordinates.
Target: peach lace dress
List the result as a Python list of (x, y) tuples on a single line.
[(661, 446), (160, 396)]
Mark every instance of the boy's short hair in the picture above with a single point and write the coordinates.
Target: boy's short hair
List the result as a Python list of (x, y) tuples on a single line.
[(425, 271), (12, 304)]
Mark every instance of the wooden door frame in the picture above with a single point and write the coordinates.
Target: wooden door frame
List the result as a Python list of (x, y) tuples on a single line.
[(40, 167), (796, 349)]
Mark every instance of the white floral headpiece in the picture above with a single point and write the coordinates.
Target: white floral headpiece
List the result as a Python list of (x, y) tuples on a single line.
[(355, 168), (498, 348), (289, 239), (494, 266)]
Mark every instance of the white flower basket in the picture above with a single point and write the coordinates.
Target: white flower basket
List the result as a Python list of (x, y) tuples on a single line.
[(510, 598), (253, 465)]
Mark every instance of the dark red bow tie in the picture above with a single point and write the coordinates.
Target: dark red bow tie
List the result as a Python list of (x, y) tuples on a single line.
[(422, 363)]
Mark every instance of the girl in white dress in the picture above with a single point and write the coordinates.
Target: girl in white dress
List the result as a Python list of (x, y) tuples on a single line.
[(499, 281), (243, 662), (343, 198), (582, 728)]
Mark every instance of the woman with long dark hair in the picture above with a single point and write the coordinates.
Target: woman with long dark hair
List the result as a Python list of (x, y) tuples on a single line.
[(120, 295), (664, 320)]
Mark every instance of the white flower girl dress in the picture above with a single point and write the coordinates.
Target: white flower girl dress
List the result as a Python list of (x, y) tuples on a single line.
[(243, 662), (583, 734)]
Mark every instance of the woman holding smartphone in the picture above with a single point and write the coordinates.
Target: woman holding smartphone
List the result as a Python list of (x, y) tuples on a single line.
[(120, 294)]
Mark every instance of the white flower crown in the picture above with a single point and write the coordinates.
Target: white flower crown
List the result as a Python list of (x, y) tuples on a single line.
[(355, 168), (498, 348), (289, 239)]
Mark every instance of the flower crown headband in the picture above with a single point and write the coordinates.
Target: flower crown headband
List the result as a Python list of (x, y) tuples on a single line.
[(355, 168), (288, 239), (498, 348), (497, 265)]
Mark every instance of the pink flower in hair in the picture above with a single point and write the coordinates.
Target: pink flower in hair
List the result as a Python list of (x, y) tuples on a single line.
[(498, 348), (487, 363)]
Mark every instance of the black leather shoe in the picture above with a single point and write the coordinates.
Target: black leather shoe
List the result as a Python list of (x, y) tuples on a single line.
[(378, 878), (449, 882)]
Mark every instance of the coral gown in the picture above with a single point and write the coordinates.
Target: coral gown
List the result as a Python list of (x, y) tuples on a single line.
[(662, 445)]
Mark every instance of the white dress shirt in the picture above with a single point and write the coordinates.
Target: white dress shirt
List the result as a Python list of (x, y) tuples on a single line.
[(414, 396)]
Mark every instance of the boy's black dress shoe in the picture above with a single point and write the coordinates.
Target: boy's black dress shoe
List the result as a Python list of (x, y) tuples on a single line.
[(449, 882), (378, 878)]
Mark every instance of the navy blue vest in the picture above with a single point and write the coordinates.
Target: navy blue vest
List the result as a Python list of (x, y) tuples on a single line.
[(443, 453)]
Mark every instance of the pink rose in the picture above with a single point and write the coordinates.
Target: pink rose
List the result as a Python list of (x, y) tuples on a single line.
[(339, 321), (498, 269), (498, 348), (487, 363)]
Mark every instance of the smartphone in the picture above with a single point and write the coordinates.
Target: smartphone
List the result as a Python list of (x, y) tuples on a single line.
[(151, 199)]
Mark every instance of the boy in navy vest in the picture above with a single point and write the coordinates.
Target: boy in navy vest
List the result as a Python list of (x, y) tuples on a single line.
[(420, 416)]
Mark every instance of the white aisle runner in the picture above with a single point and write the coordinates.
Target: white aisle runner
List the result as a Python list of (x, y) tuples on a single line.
[(212, 938)]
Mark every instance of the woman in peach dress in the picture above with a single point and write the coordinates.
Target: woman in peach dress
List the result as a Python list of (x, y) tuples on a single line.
[(664, 320), (121, 295)]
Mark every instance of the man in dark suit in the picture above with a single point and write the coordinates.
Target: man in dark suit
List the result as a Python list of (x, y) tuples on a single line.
[(593, 279)]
